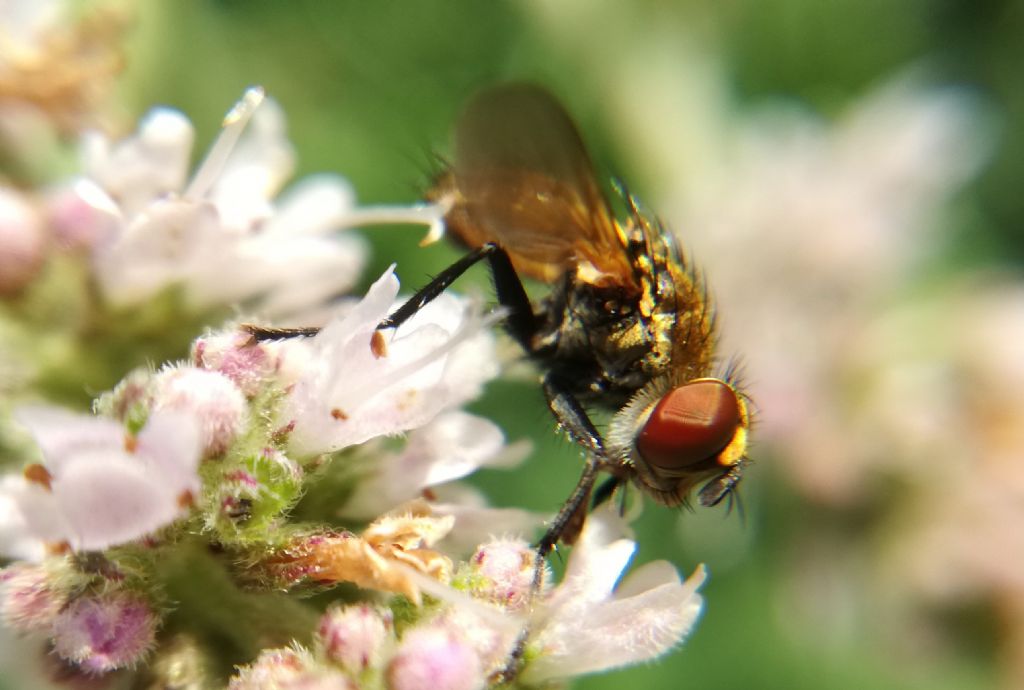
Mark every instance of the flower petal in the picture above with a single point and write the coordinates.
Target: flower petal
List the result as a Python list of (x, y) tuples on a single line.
[(28, 519), (110, 499), (619, 632), (60, 433)]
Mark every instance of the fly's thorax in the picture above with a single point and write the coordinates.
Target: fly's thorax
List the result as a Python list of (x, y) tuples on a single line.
[(598, 338)]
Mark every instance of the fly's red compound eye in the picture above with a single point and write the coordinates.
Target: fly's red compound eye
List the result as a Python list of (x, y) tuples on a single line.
[(690, 425)]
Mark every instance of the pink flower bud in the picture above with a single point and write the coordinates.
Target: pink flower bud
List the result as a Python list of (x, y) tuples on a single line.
[(22, 242), (28, 600), (235, 355), (81, 215), (435, 658), (215, 402), (353, 636), (288, 669), (105, 632), (503, 572)]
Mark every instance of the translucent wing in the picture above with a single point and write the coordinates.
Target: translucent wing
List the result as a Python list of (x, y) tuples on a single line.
[(522, 178)]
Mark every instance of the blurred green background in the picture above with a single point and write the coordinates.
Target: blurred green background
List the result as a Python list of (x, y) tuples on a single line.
[(371, 89)]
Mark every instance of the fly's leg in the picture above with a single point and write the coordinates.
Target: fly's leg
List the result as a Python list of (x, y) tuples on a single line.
[(606, 490), (511, 294), (574, 421), (566, 525), (261, 334)]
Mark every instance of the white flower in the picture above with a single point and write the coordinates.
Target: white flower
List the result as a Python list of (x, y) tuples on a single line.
[(584, 625), (225, 222), (359, 383), (587, 624), (475, 520), (97, 486), (454, 445), (23, 24)]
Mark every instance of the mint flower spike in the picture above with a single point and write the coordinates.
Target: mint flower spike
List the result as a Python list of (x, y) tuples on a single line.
[(97, 486), (587, 624), (357, 383)]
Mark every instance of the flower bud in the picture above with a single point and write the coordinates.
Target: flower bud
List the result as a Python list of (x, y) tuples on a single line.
[(353, 636), (81, 215), (28, 600), (105, 632), (287, 669), (212, 398), (502, 572), (235, 355), (22, 242), (435, 658)]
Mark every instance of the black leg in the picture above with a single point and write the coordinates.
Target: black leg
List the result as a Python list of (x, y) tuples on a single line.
[(572, 419), (606, 490), (570, 515), (262, 334), (520, 321), (571, 416), (509, 288)]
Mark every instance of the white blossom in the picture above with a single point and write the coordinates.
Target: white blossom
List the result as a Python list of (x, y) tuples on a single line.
[(358, 383), (453, 445), (162, 228), (587, 624), (99, 487)]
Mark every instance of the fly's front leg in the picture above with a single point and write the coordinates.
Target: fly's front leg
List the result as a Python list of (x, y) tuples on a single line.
[(511, 294), (262, 334), (509, 289)]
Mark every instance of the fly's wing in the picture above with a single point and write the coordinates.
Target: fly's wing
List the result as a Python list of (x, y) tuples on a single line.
[(522, 178)]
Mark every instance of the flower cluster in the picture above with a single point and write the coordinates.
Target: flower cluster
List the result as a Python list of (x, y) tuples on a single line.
[(489, 616), (232, 447), (131, 253)]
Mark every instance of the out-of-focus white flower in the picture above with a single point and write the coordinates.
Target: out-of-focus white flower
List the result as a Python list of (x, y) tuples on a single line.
[(98, 486), (453, 445), (23, 24), (225, 220), (588, 624), (805, 228), (950, 403), (360, 383), (57, 64)]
